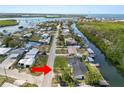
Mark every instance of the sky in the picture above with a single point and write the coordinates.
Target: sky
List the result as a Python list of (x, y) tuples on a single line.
[(63, 9)]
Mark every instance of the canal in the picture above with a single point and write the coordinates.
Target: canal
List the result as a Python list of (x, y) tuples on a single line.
[(109, 72)]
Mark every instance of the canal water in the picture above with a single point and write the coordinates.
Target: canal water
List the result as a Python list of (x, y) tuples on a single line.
[(26, 22), (109, 72)]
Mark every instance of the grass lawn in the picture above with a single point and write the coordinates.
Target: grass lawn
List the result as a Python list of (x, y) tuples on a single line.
[(4, 79), (92, 77), (29, 85), (35, 38), (61, 51), (40, 62), (61, 63), (1, 59), (7, 23)]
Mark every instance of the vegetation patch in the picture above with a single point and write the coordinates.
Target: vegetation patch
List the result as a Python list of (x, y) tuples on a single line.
[(92, 77), (4, 23), (61, 51)]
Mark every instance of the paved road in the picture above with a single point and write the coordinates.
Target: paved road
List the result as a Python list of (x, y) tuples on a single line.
[(48, 78), (22, 76)]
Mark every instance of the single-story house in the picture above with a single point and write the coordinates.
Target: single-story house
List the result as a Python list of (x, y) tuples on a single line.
[(89, 59), (29, 58), (78, 67), (33, 52), (70, 41), (45, 41), (91, 52), (27, 35), (4, 51), (10, 60), (26, 62), (71, 50), (45, 36), (19, 51)]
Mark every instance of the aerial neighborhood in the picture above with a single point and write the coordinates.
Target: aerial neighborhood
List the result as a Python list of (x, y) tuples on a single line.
[(55, 43)]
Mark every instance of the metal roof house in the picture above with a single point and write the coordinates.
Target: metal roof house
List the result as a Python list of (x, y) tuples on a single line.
[(71, 50), (26, 62), (4, 51), (71, 41), (32, 53), (79, 68), (91, 52), (29, 58), (89, 59), (9, 61), (19, 51)]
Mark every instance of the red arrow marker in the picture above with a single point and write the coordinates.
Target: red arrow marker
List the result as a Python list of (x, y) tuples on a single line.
[(46, 69)]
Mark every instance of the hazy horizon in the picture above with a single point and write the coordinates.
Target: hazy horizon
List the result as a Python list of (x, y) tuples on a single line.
[(63, 9)]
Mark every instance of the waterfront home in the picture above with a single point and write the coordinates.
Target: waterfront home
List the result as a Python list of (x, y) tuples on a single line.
[(4, 51), (72, 50), (91, 52), (65, 32), (78, 67), (89, 59), (70, 41)]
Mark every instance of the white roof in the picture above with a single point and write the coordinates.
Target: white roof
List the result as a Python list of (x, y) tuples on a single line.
[(33, 51), (89, 59), (4, 50), (29, 61), (90, 50), (22, 61), (30, 56)]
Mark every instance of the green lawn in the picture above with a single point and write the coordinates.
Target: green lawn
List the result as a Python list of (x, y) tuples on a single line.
[(7, 23), (2, 80), (92, 77), (61, 63), (29, 85), (2, 59), (61, 51), (40, 62), (35, 38), (63, 72)]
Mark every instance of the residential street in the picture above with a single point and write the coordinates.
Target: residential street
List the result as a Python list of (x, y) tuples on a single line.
[(48, 78)]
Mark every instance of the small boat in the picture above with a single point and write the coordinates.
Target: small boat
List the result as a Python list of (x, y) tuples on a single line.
[(5, 31), (20, 27)]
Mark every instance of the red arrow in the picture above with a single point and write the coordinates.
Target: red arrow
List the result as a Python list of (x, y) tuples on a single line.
[(46, 69)]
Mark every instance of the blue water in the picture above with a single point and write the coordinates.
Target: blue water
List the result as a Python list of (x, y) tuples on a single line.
[(27, 22), (107, 16)]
